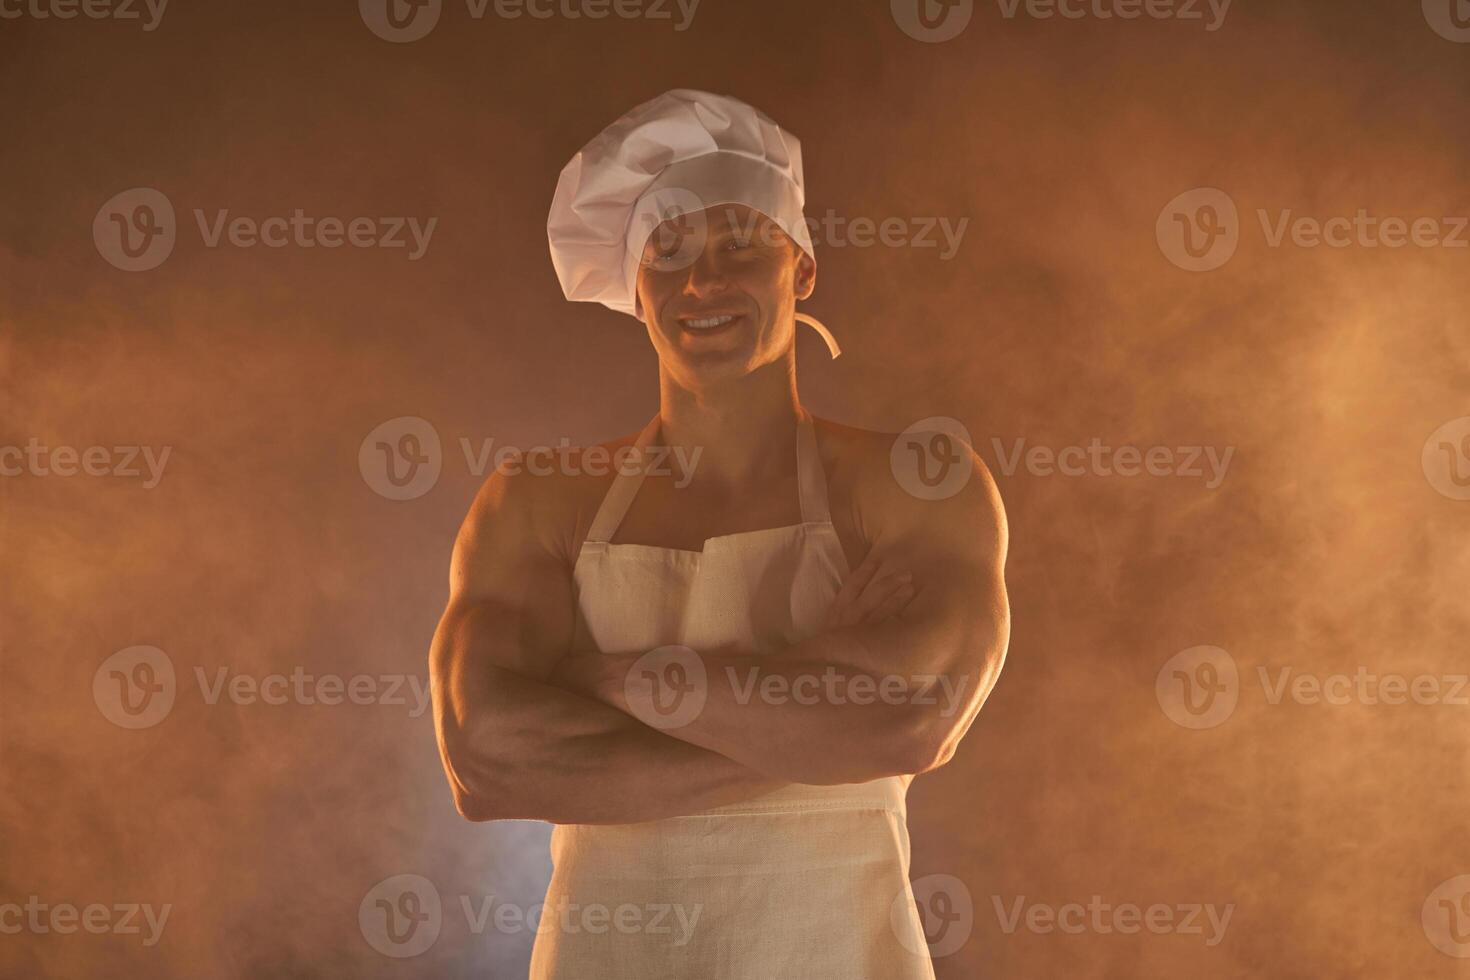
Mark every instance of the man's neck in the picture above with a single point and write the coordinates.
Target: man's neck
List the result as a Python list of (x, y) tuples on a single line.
[(745, 429)]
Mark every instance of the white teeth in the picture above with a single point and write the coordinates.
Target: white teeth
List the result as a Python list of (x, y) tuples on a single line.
[(714, 321)]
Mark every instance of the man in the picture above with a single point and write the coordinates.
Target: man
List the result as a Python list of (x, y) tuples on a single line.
[(718, 683)]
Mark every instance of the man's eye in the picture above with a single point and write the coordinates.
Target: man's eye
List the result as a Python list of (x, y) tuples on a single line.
[(737, 243)]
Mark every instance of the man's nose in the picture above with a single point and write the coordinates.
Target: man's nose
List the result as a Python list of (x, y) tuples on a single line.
[(704, 276)]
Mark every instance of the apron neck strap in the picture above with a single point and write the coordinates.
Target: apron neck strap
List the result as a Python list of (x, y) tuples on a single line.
[(811, 479), (620, 495), (811, 483)]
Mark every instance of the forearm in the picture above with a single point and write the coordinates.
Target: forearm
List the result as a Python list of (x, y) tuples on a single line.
[(825, 710), (531, 750)]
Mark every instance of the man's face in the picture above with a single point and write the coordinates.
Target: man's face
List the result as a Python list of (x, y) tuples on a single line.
[(718, 291)]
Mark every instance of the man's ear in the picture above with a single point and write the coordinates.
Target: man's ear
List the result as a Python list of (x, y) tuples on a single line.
[(805, 280)]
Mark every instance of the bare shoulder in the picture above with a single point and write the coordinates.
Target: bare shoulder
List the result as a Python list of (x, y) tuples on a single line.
[(542, 500), (884, 481)]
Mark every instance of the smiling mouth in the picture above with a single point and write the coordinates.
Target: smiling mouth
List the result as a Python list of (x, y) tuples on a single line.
[(709, 324)]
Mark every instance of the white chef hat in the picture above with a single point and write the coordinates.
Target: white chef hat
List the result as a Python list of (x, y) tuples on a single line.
[(681, 152)]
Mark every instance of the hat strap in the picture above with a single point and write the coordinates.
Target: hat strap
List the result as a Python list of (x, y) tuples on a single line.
[(821, 328)]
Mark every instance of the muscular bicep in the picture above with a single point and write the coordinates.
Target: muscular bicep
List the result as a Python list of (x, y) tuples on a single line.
[(511, 602), (955, 547)]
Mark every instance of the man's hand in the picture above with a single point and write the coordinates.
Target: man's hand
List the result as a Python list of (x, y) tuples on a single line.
[(513, 743), (871, 594), (901, 670)]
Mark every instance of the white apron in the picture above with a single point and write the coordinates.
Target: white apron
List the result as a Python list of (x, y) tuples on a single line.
[(805, 883)]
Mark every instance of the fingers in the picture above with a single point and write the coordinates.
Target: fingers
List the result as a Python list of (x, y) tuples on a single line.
[(859, 579), (885, 594), (879, 593), (895, 602), (841, 612)]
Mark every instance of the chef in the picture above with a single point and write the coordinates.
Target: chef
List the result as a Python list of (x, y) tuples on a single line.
[(717, 685)]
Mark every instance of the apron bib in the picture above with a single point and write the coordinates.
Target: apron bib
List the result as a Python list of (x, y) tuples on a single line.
[(805, 883)]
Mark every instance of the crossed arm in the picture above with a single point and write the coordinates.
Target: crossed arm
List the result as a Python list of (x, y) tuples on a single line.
[(528, 730)]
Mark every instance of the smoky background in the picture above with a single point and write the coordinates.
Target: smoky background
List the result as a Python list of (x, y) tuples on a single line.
[(263, 549)]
